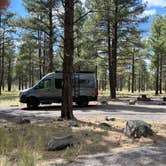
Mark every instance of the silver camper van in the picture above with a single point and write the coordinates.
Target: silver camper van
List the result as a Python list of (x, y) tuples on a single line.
[(49, 89)]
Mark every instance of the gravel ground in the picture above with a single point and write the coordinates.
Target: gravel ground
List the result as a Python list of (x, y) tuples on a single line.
[(113, 109), (149, 155)]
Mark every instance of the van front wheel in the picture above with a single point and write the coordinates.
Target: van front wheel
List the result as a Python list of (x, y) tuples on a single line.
[(32, 103)]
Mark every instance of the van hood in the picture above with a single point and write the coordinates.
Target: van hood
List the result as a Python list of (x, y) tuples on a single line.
[(25, 91)]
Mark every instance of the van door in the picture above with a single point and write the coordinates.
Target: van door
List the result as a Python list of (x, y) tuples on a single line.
[(44, 91)]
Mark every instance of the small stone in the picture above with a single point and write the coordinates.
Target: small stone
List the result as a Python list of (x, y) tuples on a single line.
[(21, 120), (132, 102), (59, 119), (108, 118), (104, 102), (3, 121), (60, 143), (73, 123)]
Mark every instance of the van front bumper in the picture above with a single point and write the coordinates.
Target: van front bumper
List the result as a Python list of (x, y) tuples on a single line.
[(23, 99)]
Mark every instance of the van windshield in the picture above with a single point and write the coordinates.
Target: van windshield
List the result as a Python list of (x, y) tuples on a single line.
[(44, 84)]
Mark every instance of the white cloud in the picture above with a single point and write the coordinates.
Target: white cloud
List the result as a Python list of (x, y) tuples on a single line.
[(83, 1), (149, 12), (159, 3)]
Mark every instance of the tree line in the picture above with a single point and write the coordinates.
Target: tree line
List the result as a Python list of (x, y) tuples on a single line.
[(103, 37)]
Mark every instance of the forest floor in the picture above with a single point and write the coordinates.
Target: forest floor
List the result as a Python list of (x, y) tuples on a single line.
[(26, 144)]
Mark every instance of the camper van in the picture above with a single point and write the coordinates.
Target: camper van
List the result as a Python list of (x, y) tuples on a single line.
[(49, 89)]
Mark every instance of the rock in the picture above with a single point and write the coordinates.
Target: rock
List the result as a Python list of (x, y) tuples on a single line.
[(60, 143), (104, 102), (73, 123), (105, 125), (3, 121), (137, 129), (21, 120), (59, 119), (108, 118), (132, 102)]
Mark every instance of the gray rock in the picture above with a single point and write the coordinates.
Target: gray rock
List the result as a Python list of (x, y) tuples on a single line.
[(104, 102), (73, 123), (21, 120), (132, 102), (137, 129), (60, 143), (108, 118), (3, 121), (59, 119)]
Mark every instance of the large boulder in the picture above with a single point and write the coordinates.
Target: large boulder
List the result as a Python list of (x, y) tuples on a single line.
[(60, 143), (137, 129)]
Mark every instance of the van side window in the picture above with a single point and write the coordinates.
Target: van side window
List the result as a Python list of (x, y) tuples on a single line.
[(58, 83), (83, 82), (45, 84)]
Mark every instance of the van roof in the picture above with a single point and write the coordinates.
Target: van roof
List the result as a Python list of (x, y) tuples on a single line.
[(76, 72)]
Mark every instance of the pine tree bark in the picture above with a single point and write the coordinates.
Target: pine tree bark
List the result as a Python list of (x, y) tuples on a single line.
[(133, 73), (157, 76), (9, 77), (161, 74), (113, 73), (39, 54), (67, 104), (109, 52), (51, 38)]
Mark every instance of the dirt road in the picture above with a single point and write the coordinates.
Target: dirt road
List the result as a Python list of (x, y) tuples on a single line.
[(113, 109)]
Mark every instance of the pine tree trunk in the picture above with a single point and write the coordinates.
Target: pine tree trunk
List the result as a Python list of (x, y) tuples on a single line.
[(67, 104), (2, 63), (129, 83), (157, 77), (114, 54), (51, 39), (9, 77), (133, 73), (109, 53), (161, 74), (139, 82), (39, 54), (44, 54)]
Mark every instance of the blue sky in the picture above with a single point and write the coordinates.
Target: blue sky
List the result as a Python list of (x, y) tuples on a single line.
[(153, 7), (17, 7)]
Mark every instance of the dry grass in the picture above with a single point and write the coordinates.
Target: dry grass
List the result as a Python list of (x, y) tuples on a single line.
[(12, 99), (25, 145)]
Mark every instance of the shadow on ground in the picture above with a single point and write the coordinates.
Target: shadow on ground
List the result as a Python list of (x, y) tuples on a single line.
[(106, 108)]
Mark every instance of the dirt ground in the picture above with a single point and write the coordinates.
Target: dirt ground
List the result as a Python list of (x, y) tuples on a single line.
[(98, 145)]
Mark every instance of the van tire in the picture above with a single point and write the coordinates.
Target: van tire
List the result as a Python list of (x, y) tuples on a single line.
[(32, 103), (82, 102)]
